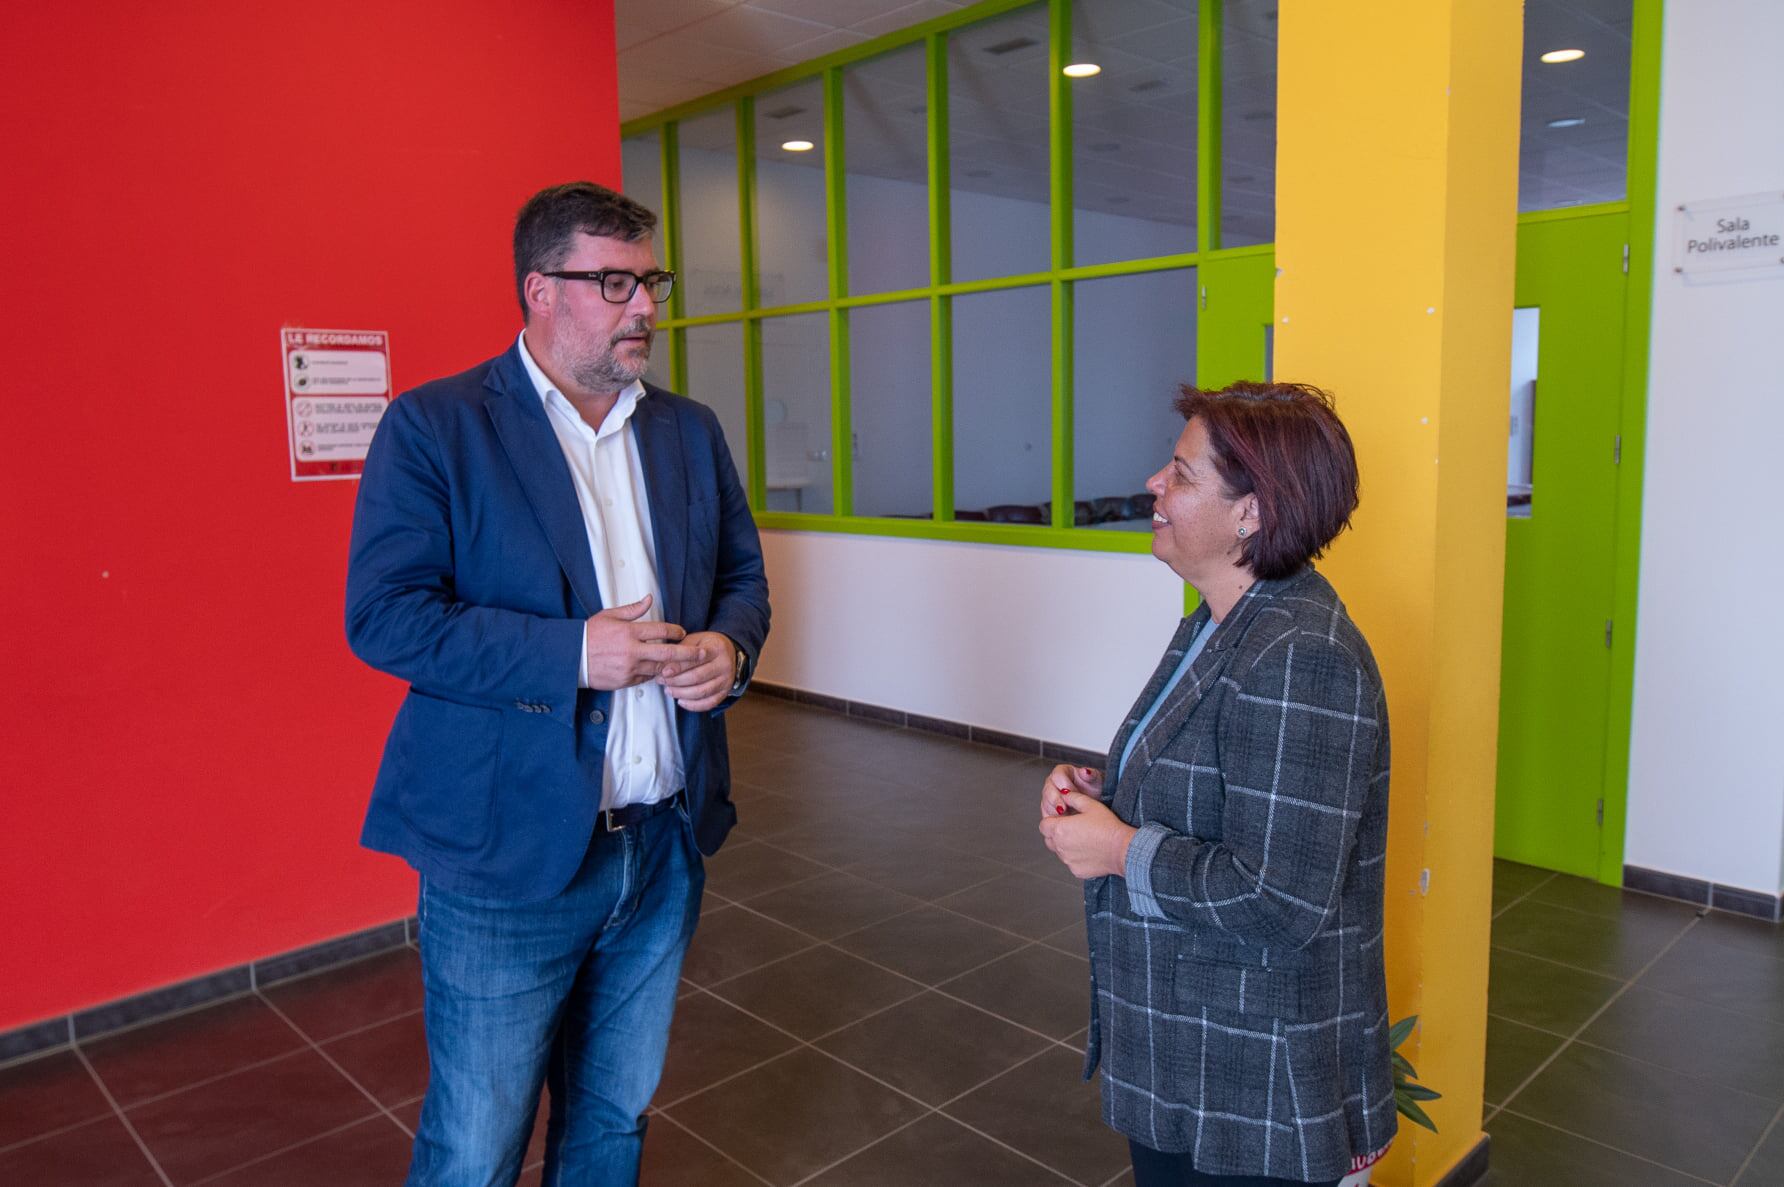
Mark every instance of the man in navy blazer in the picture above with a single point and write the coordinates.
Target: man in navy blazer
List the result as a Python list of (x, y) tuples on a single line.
[(560, 561)]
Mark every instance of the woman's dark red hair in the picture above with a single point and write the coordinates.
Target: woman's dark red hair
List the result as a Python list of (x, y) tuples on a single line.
[(1283, 443)]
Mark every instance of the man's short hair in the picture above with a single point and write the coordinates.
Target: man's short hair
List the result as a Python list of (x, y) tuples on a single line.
[(545, 229)]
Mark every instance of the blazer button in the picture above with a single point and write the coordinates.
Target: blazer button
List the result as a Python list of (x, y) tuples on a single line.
[(596, 717)]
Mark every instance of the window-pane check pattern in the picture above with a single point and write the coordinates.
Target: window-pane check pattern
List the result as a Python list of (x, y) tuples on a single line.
[(1240, 1004)]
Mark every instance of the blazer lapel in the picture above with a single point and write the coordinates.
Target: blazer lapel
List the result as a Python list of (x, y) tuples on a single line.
[(1179, 703), (525, 432), (666, 485)]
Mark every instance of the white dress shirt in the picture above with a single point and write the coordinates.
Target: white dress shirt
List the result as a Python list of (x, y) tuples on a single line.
[(642, 763)]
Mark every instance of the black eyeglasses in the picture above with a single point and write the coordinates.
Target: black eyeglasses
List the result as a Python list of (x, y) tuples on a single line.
[(618, 285)]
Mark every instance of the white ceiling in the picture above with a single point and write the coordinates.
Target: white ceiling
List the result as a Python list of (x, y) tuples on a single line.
[(1133, 123), (671, 51)]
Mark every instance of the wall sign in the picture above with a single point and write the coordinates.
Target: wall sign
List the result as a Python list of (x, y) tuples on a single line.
[(337, 386), (1743, 235)]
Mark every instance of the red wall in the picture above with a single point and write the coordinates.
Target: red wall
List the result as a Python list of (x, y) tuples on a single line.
[(188, 743)]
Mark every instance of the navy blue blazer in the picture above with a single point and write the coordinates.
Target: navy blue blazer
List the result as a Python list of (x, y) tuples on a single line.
[(470, 577)]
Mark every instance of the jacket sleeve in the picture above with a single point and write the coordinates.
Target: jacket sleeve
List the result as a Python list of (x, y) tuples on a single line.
[(740, 586), (403, 614), (1297, 750)]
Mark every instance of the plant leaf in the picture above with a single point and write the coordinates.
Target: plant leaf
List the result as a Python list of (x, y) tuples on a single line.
[(1419, 1092), (1413, 1113), (1403, 1067), (1401, 1029)]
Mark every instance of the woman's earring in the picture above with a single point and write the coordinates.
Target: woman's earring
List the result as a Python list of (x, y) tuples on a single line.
[(1241, 533)]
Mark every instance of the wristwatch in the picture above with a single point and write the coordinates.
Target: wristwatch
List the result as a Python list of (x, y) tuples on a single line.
[(739, 670)]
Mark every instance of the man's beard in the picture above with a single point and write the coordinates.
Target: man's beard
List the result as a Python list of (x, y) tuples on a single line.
[(606, 371)]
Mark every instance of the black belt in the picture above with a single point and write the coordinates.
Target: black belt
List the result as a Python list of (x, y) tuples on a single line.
[(618, 819)]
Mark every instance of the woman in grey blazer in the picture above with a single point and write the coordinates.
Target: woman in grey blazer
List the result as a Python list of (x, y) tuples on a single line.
[(1233, 856)]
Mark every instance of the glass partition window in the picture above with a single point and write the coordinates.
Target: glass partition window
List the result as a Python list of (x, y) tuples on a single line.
[(1247, 122), (891, 410), (886, 154), (1135, 344), (1003, 422), (715, 370), (1133, 129), (641, 162), (1574, 146), (711, 265), (796, 413), (961, 362), (791, 251), (997, 146)]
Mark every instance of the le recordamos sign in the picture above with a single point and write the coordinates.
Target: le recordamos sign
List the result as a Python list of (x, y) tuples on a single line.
[(337, 386)]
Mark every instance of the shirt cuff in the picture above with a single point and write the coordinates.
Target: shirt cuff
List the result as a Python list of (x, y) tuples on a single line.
[(1140, 852), (582, 664)]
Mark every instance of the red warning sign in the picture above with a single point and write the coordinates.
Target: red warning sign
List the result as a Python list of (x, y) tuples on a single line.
[(337, 386)]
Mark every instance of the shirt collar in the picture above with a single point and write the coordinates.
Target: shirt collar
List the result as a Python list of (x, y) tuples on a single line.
[(554, 400)]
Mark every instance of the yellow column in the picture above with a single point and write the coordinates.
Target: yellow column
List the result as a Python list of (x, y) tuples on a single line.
[(1397, 157)]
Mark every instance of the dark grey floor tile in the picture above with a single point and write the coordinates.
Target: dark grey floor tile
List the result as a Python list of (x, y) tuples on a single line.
[(1595, 898), (99, 1153), (1519, 879), (761, 815), (1732, 1050), (831, 905), (1071, 938), (1513, 880), (929, 875), (937, 1150), (163, 1056), (748, 868), (710, 1040), (1765, 1166), (795, 1116), (1037, 987), (373, 1153), (47, 1093), (1683, 1122), (815, 992), (933, 1047), (929, 944), (365, 992), (1740, 980), (732, 940), (1527, 1153), (388, 1060), (218, 1126), (1513, 1052), (1021, 903), (1745, 935), (1543, 994), (1616, 946), (1045, 1109), (673, 1157)]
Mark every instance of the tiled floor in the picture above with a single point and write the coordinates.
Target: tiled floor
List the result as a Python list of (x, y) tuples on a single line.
[(888, 988)]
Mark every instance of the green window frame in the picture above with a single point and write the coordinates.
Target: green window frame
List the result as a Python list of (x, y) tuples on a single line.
[(1233, 282)]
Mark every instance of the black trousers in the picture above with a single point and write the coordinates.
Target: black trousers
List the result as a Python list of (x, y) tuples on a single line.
[(1153, 1168)]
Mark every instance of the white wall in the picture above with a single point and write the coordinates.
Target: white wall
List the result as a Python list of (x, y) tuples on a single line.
[(1706, 781), (1049, 644)]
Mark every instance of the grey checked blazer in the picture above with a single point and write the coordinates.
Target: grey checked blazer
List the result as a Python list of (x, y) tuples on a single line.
[(1239, 1004)]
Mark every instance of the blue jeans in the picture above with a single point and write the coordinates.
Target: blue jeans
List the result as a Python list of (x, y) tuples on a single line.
[(575, 992)]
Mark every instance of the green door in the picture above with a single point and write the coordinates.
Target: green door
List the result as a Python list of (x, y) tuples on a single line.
[(1555, 680)]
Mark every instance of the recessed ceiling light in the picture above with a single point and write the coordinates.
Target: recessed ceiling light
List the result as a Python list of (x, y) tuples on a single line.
[(1563, 55), (797, 145), (1568, 121), (1082, 70)]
